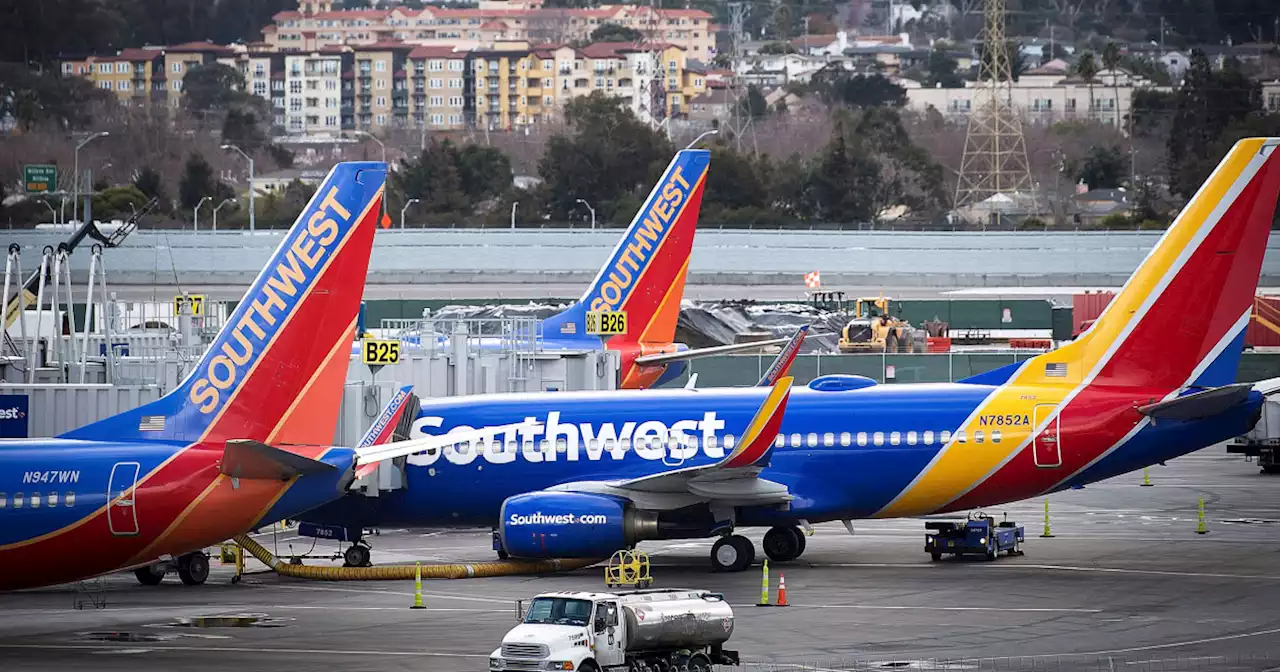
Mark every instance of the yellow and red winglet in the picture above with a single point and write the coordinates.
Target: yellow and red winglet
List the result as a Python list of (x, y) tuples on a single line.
[(754, 447)]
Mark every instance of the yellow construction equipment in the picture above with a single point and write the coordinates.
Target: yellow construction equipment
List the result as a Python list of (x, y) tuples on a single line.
[(628, 568), (875, 328)]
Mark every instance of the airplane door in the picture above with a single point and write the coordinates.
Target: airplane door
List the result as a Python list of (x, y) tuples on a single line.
[(122, 515), (673, 452), (1046, 447)]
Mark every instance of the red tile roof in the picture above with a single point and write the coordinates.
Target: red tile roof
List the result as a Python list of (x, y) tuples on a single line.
[(198, 47), (135, 54), (436, 52)]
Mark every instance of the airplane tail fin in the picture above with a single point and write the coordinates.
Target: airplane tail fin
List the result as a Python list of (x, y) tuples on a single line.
[(1180, 319), (645, 274), (275, 372)]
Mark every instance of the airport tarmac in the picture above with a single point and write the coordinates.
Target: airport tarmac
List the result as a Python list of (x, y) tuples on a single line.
[(1125, 584)]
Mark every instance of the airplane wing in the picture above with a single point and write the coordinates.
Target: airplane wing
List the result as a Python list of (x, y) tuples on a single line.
[(782, 364), (734, 480), (668, 357), (367, 457)]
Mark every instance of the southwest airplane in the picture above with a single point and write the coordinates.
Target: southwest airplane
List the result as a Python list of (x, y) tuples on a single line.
[(643, 280), (244, 441), (1146, 383)]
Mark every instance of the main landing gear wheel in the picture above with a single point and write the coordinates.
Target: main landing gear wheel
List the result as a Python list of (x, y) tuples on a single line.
[(151, 575), (193, 568), (784, 543), (732, 554), (356, 555)]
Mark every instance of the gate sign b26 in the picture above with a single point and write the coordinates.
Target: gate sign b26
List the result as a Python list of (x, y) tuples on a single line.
[(40, 178)]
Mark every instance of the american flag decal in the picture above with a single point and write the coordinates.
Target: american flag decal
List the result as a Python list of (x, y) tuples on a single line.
[(1056, 370), (569, 328), (151, 423)]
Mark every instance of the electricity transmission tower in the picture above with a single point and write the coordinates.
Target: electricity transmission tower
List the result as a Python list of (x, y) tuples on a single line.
[(995, 151), (737, 94)]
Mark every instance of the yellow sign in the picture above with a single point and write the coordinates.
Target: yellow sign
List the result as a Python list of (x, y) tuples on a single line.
[(606, 322), (196, 301), (380, 352)]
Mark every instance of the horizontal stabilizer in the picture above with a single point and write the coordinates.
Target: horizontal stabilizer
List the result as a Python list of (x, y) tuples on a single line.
[(1203, 404), (245, 458), (668, 357)]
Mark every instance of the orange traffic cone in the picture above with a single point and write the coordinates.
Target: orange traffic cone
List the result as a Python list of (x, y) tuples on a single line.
[(782, 591)]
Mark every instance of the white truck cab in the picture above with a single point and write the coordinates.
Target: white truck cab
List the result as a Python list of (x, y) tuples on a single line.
[(621, 631)]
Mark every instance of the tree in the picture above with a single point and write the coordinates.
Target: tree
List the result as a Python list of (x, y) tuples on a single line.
[(118, 202), (1111, 61), (858, 91), (776, 48), (1207, 104), (1012, 53), (243, 127), (433, 179), (1151, 110), (612, 32), (754, 105), (198, 181), (33, 99), (212, 86), (150, 183), (1103, 168), (485, 172), (942, 70), (782, 21), (1087, 68), (610, 157)]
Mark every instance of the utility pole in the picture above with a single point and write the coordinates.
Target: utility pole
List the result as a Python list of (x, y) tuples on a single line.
[(737, 17), (995, 151)]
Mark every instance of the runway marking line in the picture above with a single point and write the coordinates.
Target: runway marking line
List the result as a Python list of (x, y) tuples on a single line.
[(898, 607), (1060, 568), (247, 649)]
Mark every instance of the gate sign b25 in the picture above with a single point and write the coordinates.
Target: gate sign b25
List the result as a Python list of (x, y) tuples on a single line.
[(40, 178)]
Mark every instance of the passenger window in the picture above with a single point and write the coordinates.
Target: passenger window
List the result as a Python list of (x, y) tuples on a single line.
[(728, 442), (543, 445), (960, 437), (795, 440), (894, 438), (977, 436), (4, 501), (712, 441), (911, 438), (779, 441), (53, 499), (828, 439), (845, 438), (17, 500), (862, 438), (512, 447), (70, 499), (626, 444), (812, 439), (878, 438), (561, 446), (35, 500), (928, 438), (946, 436), (593, 444), (995, 436)]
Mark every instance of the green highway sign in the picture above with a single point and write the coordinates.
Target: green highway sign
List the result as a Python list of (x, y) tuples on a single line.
[(40, 178)]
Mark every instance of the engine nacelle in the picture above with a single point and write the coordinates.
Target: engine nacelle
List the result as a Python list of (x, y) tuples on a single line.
[(571, 525)]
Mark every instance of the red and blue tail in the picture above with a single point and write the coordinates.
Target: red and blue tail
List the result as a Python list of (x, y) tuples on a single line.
[(645, 274), (276, 370)]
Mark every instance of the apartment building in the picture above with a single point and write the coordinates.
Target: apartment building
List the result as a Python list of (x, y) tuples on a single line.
[(314, 93), (315, 24), (146, 75), (1044, 96)]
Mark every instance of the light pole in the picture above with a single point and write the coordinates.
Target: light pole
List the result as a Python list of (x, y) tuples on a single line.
[(593, 212), (406, 207), (513, 214), (55, 212), (252, 212), (384, 162), (215, 211), (195, 221), (75, 197)]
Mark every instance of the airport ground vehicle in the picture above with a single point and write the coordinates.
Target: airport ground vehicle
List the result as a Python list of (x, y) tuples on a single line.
[(1263, 441), (979, 535), (654, 629)]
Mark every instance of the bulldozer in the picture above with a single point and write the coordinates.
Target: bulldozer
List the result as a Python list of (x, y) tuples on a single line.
[(874, 328)]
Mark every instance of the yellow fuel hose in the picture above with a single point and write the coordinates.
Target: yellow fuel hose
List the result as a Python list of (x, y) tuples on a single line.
[(406, 572)]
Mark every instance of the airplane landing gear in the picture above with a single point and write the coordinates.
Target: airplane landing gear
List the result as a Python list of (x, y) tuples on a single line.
[(151, 575), (193, 568), (733, 553), (784, 543), (357, 555)]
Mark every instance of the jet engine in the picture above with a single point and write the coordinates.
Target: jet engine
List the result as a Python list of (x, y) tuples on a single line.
[(572, 525)]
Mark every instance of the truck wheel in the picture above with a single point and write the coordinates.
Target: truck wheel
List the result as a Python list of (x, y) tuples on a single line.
[(193, 568), (149, 575), (588, 666), (992, 551), (699, 663), (732, 554), (935, 556)]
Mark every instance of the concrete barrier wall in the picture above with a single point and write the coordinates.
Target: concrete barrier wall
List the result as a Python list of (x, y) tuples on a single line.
[(496, 256)]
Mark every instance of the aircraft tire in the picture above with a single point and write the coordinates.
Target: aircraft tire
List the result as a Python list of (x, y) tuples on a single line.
[(147, 576), (734, 553), (356, 555), (193, 568), (783, 543), (801, 541)]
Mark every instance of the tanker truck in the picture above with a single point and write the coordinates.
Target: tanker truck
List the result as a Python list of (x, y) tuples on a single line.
[(641, 631)]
